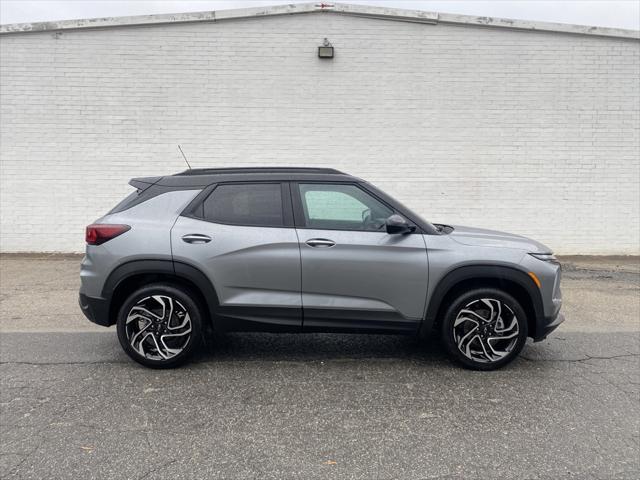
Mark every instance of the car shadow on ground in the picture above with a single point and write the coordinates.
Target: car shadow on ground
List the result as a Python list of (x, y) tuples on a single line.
[(314, 347)]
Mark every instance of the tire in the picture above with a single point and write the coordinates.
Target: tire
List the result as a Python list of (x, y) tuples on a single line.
[(484, 329), (160, 325)]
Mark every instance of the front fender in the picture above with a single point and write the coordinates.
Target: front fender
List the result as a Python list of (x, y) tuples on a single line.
[(497, 274)]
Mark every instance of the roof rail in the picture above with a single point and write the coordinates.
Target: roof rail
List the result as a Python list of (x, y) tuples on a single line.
[(231, 170)]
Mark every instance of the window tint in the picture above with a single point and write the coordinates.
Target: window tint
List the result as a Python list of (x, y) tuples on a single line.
[(342, 207), (258, 204)]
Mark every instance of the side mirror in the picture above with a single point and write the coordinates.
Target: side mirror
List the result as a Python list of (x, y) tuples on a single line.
[(398, 225)]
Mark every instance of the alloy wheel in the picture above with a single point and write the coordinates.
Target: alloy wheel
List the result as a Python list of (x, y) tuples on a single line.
[(486, 330), (158, 327)]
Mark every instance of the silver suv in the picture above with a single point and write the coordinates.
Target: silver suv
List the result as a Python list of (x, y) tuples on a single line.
[(306, 250)]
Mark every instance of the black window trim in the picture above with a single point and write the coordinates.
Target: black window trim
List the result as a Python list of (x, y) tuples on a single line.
[(191, 210), (298, 209)]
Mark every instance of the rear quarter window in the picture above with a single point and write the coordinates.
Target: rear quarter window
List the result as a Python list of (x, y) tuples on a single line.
[(127, 202)]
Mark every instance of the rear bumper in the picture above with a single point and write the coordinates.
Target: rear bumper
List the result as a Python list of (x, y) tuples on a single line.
[(547, 325), (95, 309)]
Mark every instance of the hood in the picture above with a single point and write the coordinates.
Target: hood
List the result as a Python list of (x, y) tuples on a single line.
[(491, 238)]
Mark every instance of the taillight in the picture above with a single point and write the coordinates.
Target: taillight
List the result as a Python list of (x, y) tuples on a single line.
[(97, 233)]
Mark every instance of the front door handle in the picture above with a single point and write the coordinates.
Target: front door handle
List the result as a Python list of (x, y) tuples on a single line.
[(196, 238), (320, 242)]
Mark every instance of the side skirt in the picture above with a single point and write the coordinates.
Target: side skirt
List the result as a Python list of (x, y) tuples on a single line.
[(288, 320), (357, 321)]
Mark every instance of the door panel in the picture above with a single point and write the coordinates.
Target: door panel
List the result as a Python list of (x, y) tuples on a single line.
[(254, 270), (354, 274), (367, 277)]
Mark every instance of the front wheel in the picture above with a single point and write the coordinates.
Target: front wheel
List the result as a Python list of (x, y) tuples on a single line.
[(159, 325), (484, 329)]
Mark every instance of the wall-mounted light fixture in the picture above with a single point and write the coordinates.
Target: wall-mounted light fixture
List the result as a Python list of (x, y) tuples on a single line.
[(325, 50)]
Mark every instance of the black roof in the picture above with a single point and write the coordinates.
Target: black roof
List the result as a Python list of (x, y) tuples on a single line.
[(241, 170), (199, 177)]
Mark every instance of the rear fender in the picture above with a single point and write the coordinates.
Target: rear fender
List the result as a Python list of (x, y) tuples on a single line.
[(167, 269)]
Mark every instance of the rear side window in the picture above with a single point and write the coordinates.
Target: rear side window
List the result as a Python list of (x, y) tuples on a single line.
[(254, 204)]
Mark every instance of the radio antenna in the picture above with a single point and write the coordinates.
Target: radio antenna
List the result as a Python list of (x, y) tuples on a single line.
[(184, 156)]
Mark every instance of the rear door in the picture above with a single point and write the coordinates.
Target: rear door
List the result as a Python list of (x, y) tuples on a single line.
[(241, 236), (354, 274)]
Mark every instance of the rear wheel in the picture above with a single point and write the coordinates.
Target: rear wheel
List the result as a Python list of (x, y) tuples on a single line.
[(484, 329), (159, 325)]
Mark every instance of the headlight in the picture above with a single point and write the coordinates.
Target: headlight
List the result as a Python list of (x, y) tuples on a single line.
[(546, 257)]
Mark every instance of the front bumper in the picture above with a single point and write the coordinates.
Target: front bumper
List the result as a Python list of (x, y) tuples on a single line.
[(95, 309), (547, 325)]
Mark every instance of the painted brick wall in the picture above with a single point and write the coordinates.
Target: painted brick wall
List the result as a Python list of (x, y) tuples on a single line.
[(534, 133)]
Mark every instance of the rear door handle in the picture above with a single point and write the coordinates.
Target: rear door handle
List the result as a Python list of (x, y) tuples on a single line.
[(196, 238), (320, 242)]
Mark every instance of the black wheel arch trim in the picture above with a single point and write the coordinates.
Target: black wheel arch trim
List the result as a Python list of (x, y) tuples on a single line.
[(490, 272), (173, 268)]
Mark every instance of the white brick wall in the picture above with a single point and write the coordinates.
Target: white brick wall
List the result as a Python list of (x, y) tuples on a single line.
[(535, 133)]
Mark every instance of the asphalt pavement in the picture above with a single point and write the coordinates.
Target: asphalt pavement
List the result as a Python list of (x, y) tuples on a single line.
[(72, 405)]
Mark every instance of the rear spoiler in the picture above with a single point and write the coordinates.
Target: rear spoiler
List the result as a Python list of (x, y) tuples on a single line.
[(143, 183)]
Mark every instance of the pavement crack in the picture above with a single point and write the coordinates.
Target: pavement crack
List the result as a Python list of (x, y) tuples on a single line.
[(580, 360), (157, 469)]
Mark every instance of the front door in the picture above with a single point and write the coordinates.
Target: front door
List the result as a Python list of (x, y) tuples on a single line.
[(355, 276), (242, 238)]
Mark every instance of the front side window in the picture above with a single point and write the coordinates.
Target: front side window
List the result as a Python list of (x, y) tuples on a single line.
[(256, 204), (341, 207)]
